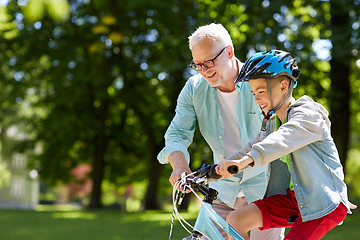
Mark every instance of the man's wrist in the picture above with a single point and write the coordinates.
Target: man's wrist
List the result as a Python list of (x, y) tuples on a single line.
[(177, 160)]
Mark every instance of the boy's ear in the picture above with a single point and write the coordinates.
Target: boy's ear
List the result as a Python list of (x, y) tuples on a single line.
[(284, 85)]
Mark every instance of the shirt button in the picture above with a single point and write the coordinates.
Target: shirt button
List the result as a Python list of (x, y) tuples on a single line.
[(301, 206), (219, 116), (220, 137)]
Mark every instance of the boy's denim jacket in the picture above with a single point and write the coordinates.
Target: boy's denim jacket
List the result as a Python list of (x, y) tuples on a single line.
[(198, 101), (315, 166)]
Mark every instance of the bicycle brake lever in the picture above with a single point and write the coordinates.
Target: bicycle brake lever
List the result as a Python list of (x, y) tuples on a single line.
[(183, 190), (183, 178)]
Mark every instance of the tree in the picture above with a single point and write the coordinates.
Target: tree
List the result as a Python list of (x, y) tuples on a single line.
[(340, 75), (101, 81)]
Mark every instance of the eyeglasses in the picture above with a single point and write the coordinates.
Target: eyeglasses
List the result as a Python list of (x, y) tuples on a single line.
[(207, 64)]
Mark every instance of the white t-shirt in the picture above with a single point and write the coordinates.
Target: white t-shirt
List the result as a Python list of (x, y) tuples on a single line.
[(227, 105)]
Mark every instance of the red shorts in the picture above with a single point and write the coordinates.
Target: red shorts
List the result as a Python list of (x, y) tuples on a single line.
[(277, 209)]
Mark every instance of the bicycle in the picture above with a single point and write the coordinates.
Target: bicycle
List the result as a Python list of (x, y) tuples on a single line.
[(207, 217)]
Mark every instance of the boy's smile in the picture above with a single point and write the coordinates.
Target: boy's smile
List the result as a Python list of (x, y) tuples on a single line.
[(263, 106), (279, 90), (260, 92)]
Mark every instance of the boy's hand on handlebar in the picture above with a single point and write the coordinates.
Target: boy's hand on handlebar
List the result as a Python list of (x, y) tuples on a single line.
[(241, 164), (222, 168)]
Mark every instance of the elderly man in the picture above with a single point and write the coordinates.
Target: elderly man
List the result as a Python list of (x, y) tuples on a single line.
[(227, 115)]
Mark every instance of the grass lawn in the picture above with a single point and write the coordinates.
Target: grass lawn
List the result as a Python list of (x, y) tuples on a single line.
[(70, 224)]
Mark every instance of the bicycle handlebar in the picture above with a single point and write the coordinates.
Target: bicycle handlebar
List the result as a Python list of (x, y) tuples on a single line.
[(233, 169), (198, 179), (197, 182), (209, 171)]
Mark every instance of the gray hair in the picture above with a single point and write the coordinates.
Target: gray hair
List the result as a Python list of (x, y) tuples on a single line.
[(214, 31)]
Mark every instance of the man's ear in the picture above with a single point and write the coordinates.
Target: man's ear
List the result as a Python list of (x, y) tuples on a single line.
[(230, 51)]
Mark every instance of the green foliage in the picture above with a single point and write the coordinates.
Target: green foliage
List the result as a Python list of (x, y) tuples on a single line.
[(353, 171), (5, 174), (355, 107), (97, 81), (35, 10)]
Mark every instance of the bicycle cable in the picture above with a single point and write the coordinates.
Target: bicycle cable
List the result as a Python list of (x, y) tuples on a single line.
[(181, 184), (182, 221), (177, 197), (172, 224), (180, 188)]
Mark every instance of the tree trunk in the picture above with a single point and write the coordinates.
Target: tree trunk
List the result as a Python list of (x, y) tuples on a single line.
[(98, 169), (3, 130), (101, 139), (151, 196), (340, 71)]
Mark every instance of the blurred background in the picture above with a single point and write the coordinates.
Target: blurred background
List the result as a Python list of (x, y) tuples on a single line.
[(88, 88)]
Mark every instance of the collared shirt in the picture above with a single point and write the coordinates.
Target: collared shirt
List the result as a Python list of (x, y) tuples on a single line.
[(315, 166), (198, 101)]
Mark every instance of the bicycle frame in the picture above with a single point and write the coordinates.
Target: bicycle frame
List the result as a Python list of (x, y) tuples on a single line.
[(205, 224)]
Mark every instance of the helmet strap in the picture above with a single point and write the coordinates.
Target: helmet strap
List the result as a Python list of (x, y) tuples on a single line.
[(272, 109), (287, 96)]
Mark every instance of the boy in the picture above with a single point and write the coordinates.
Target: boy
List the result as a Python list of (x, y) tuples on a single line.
[(299, 134)]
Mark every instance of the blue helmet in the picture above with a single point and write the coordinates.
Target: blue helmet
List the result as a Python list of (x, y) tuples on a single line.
[(269, 64)]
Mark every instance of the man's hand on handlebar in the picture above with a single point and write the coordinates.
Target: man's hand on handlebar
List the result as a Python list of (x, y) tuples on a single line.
[(176, 174), (179, 165), (226, 167)]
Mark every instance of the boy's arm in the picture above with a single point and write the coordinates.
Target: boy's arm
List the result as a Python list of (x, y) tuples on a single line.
[(241, 164), (304, 127)]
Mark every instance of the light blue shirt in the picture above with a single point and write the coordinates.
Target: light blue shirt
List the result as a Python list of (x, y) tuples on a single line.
[(198, 101)]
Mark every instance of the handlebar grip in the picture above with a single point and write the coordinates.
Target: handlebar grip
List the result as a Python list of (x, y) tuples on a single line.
[(212, 172), (233, 169)]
